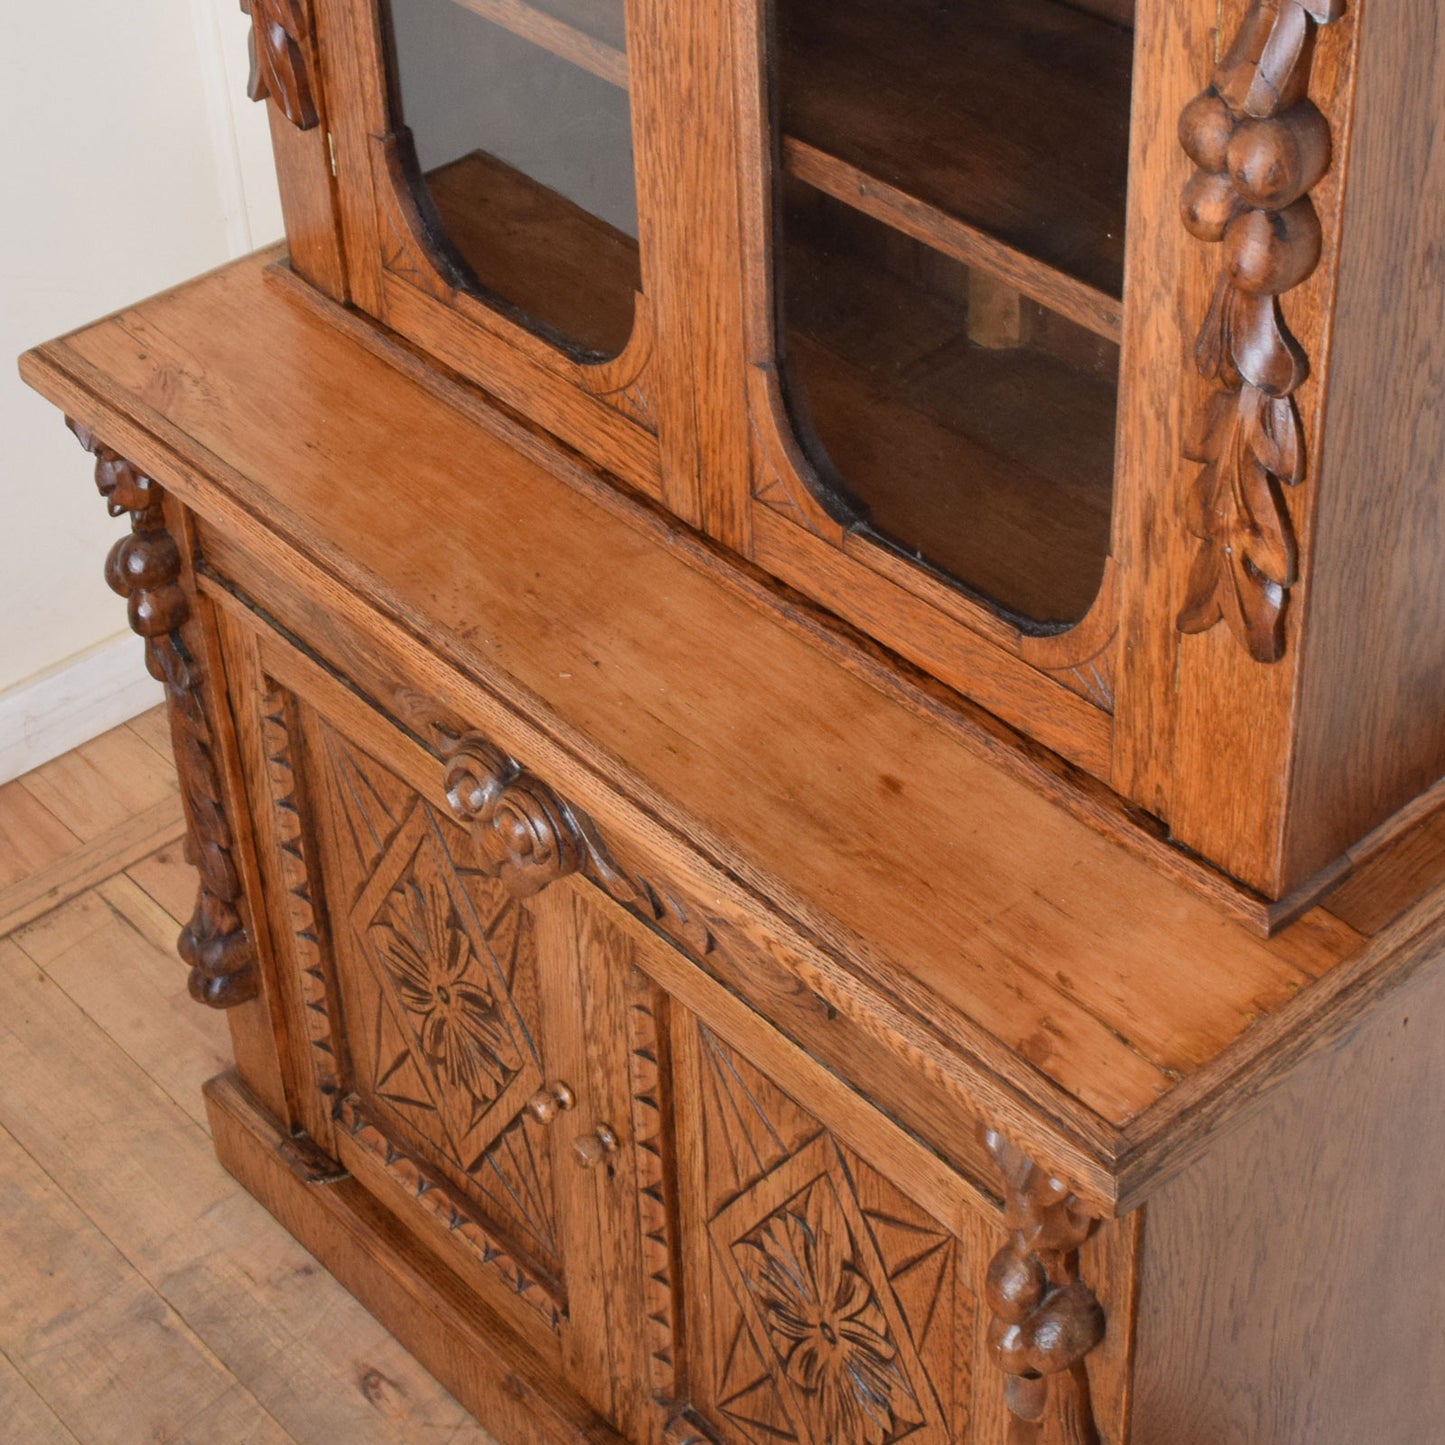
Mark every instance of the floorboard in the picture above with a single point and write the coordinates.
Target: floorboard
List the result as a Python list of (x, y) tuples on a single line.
[(143, 1294)]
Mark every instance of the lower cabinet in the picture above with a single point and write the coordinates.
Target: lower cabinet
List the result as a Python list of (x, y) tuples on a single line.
[(695, 1228)]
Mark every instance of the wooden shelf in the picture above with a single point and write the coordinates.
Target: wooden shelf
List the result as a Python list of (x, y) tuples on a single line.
[(555, 262), (992, 467), (994, 130), (589, 33)]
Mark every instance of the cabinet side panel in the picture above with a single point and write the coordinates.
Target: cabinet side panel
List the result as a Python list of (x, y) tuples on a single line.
[(1372, 703), (1290, 1288)]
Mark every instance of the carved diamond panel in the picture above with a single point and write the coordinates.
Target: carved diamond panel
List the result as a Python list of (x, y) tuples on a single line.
[(840, 1312), (439, 993)]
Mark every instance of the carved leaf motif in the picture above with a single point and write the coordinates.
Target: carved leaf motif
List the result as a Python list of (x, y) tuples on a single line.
[(463, 1035), (824, 1323), (280, 68), (1255, 202)]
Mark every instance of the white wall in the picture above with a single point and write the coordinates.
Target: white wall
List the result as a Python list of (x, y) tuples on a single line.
[(132, 160)]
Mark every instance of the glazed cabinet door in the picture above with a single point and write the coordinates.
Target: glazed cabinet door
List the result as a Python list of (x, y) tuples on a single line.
[(489, 191), (447, 1040), (936, 291)]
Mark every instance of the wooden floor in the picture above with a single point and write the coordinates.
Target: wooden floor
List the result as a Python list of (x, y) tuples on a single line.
[(143, 1295)]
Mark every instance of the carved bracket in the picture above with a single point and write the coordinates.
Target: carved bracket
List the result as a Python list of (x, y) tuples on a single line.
[(529, 832), (535, 838), (280, 61), (145, 569), (1260, 145), (1046, 1320)]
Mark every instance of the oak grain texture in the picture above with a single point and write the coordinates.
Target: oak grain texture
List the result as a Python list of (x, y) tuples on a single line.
[(1317, 1205), (465, 1347), (589, 683)]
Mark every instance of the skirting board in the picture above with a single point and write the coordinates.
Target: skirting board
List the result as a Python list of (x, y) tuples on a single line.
[(71, 703)]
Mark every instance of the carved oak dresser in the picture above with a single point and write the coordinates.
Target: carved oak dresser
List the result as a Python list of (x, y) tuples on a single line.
[(806, 645)]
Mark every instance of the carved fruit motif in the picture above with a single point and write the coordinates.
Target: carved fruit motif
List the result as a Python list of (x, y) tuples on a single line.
[(1260, 145), (1046, 1320), (145, 568)]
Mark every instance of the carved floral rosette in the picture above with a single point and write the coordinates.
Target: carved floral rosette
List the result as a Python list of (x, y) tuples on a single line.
[(1260, 146), (1046, 1320), (144, 567)]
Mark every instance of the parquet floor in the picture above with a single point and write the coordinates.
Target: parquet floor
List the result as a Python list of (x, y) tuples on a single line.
[(143, 1295)]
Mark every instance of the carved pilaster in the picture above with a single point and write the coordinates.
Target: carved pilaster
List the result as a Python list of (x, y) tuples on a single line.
[(1261, 146), (145, 569), (1045, 1318), (280, 60)]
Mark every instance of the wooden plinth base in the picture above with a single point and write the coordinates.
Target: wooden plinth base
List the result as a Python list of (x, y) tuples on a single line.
[(467, 1350)]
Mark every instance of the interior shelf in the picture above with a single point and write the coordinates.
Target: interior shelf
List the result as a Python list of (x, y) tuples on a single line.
[(996, 131), (991, 466), (538, 251), (589, 33)]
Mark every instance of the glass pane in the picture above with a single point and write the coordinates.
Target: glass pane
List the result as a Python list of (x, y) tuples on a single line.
[(523, 158), (951, 242)]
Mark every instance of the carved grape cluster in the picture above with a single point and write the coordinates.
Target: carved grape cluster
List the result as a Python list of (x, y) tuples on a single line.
[(1045, 1318), (144, 567), (1260, 146)]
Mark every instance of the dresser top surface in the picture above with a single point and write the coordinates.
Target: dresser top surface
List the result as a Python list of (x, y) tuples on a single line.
[(948, 879)]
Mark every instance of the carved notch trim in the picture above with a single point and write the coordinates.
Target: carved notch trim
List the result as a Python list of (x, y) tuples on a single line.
[(145, 569), (1261, 146), (280, 60), (1046, 1320)]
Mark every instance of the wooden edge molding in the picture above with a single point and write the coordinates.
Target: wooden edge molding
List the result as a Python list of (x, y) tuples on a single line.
[(455, 1335), (281, 60), (1045, 1319), (1260, 146), (145, 568)]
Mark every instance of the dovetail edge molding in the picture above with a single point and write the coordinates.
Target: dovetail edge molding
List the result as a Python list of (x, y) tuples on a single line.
[(1260, 145), (145, 569), (280, 65), (1046, 1320)]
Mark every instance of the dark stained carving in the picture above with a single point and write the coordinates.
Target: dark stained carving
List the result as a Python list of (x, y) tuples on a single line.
[(1045, 1318), (1260, 145), (280, 63), (537, 838), (145, 569), (533, 837)]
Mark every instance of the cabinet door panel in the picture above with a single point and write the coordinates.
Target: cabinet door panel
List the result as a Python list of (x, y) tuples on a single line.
[(825, 1305)]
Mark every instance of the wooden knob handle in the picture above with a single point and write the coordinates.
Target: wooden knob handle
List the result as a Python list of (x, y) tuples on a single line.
[(549, 1101), (592, 1149)]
